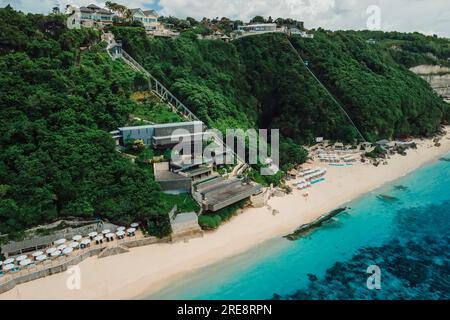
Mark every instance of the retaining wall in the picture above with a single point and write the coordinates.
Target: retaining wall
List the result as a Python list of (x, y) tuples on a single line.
[(10, 284)]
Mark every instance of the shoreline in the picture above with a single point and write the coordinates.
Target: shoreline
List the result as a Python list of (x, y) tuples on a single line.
[(146, 270)]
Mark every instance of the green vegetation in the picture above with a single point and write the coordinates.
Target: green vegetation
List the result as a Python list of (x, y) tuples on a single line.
[(411, 49), (59, 101), (183, 201), (212, 220), (156, 112), (259, 82), (61, 95)]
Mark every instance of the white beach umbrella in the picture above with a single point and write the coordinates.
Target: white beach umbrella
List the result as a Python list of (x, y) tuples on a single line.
[(61, 247), (37, 253), (25, 262), (98, 238), (1, 262), (67, 250), (74, 245), (85, 241), (8, 261), (121, 228), (120, 233), (131, 230), (50, 250), (109, 235), (77, 237), (41, 258), (20, 258), (60, 241), (8, 267), (92, 234), (106, 231), (56, 253), (134, 225)]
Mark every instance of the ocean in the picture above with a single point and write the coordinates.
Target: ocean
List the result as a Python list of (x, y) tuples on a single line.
[(402, 228)]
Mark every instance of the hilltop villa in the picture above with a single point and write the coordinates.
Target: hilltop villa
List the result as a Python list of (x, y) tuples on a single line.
[(89, 17), (149, 19)]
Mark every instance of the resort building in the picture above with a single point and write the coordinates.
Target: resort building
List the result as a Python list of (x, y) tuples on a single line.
[(216, 35), (169, 181), (260, 27), (195, 167), (218, 193), (161, 136), (91, 16)]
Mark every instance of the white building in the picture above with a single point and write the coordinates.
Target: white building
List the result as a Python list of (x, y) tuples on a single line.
[(91, 16), (149, 19), (260, 27)]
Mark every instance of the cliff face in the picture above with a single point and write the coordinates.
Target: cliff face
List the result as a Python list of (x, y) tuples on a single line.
[(437, 76)]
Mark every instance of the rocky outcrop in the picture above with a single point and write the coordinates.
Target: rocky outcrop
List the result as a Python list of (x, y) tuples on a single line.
[(437, 76)]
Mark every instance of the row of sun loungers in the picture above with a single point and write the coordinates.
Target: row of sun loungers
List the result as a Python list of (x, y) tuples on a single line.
[(324, 157), (302, 184), (310, 174), (307, 176), (63, 247)]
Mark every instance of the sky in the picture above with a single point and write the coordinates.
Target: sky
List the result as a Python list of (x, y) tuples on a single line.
[(426, 16)]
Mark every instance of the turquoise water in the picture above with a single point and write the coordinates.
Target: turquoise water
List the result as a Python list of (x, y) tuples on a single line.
[(403, 228)]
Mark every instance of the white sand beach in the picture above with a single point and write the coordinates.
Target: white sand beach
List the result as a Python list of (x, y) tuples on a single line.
[(148, 269)]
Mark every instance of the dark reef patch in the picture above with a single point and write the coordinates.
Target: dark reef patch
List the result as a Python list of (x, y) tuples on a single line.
[(306, 228), (401, 188), (415, 264), (387, 198)]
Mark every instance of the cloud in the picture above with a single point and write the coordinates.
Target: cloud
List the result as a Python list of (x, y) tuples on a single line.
[(400, 15)]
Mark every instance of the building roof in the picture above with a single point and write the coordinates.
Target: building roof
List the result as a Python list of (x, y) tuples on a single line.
[(137, 10), (162, 125), (150, 13), (94, 9), (93, 6), (104, 11), (260, 25), (86, 9), (169, 176)]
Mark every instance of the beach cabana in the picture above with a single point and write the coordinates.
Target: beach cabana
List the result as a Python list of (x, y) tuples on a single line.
[(85, 243), (37, 254), (55, 253), (67, 251), (59, 242), (74, 245), (120, 234), (41, 258), (98, 239), (8, 267), (50, 251), (77, 237), (21, 258), (131, 232), (25, 262), (8, 261), (92, 235)]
